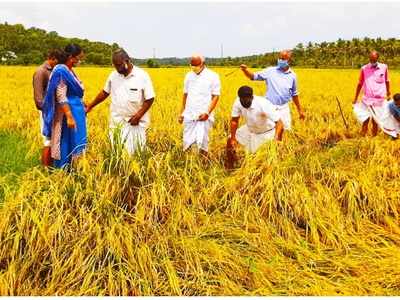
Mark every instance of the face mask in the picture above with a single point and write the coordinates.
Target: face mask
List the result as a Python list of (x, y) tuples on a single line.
[(283, 64), (196, 69)]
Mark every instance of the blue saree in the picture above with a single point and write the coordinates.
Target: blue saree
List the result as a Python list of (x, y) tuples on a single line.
[(71, 142)]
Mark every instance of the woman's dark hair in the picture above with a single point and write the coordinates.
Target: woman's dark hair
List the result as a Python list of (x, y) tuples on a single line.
[(396, 97), (61, 57), (73, 50)]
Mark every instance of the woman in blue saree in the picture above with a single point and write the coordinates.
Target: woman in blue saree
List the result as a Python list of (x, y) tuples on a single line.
[(63, 111)]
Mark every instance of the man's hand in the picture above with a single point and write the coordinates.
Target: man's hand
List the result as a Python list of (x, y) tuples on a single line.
[(232, 142), (71, 122), (243, 67), (88, 107), (134, 121), (180, 119), (302, 115), (203, 117)]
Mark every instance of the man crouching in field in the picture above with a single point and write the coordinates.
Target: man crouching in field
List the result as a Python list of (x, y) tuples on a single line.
[(263, 124), (391, 119), (132, 95), (40, 81)]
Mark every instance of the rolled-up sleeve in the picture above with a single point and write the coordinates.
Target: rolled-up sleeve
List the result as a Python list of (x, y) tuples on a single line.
[(148, 88), (216, 86), (294, 90), (186, 85), (236, 111), (107, 85), (261, 75)]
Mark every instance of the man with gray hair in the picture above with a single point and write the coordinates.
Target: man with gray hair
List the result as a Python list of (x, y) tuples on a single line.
[(201, 92), (132, 95)]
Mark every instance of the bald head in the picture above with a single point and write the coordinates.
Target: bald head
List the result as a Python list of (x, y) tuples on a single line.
[(285, 54), (197, 60), (373, 57)]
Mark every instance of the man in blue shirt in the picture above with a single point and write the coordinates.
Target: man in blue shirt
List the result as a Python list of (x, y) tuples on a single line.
[(394, 107), (282, 87)]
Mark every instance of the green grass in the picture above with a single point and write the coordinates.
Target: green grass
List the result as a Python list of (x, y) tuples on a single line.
[(14, 160)]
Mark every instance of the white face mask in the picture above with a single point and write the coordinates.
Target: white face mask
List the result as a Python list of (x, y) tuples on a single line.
[(196, 69)]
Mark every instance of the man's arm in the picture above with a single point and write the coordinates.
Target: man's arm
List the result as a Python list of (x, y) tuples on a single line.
[(213, 104), (359, 87), (234, 126), (184, 97), (134, 121), (298, 106), (38, 92), (249, 74), (278, 130), (388, 89), (99, 98)]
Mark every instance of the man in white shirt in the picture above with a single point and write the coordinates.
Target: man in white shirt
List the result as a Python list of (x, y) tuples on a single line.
[(132, 95), (200, 97), (263, 123)]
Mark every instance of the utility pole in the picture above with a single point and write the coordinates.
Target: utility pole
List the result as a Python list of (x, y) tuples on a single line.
[(222, 51), (154, 53)]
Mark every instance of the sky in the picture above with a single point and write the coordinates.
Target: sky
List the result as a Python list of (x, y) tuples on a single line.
[(178, 29)]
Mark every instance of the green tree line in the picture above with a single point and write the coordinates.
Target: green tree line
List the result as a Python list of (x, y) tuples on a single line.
[(21, 46)]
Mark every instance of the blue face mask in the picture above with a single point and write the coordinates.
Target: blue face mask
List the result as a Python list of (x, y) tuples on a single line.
[(283, 64)]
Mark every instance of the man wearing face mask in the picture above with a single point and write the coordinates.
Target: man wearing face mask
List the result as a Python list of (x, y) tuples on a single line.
[(374, 80), (262, 123), (132, 95), (282, 87), (200, 97)]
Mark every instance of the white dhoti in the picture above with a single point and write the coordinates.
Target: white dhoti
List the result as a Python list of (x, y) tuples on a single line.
[(252, 141), (284, 113), (380, 114), (46, 140), (196, 132), (133, 138)]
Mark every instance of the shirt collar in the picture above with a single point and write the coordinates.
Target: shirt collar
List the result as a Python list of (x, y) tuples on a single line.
[(47, 66), (131, 74), (371, 67), (288, 71), (202, 71)]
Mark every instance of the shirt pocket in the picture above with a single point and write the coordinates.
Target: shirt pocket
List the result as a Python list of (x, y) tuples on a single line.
[(134, 94), (379, 78)]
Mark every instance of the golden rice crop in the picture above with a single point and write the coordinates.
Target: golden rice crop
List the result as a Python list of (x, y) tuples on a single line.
[(315, 215)]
